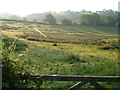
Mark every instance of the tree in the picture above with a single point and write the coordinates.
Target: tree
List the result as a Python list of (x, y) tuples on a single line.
[(90, 19), (85, 19), (66, 21), (50, 19), (95, 19), (108, 20)]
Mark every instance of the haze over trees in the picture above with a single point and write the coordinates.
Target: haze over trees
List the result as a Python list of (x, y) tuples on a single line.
[(104, 17)]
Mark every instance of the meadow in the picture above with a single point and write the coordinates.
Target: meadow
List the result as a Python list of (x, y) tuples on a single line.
[(66, 50)]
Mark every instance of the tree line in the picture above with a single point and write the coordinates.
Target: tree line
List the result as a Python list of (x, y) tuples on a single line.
[(91, 19), (104, 17)]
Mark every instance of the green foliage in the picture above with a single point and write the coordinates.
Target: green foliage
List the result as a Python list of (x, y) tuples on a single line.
[(14, 69), (108, 20), (50, 19), (96, 19), (10, 69), (84, 19), (89, 19), (66, 22), (72, 15)]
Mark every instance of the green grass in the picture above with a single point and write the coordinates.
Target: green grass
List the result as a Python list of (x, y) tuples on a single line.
[(53, 61), (45, 61), (107, 29), (68, 50), (91, 29)]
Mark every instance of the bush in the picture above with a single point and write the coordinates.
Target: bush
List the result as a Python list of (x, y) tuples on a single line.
[(14, 69), (10, 68)]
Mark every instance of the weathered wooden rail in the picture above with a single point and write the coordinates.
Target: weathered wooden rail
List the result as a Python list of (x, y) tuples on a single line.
[(82, 80)]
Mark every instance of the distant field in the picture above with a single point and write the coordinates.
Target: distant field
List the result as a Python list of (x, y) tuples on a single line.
[(68, 50), (63, 34)]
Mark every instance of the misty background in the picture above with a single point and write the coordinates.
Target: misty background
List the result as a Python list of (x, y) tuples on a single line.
[(74, 16), (36, 10)]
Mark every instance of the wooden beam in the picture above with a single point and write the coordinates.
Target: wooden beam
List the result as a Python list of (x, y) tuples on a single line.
[(84, 79), (81, 78), (97, 86), (78, 85)]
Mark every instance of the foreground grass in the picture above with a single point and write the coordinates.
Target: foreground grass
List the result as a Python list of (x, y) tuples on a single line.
[(58, 58), (45, 61)]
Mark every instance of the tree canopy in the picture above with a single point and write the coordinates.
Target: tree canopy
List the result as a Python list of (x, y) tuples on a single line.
[(66, 21), (97, 19), (50, 19)]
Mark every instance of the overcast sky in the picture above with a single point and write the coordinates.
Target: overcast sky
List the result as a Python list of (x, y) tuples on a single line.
[(25, 7)]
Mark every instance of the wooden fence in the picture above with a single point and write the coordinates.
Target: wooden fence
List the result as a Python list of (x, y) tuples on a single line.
[(82, 80)]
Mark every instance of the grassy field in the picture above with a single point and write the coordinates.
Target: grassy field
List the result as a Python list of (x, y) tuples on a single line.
[(67, 50)]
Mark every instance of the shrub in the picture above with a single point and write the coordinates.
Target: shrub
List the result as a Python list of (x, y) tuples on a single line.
[(14, 69), (10, 68)]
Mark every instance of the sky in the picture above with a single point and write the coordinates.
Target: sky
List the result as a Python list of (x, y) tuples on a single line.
[(25, 7)]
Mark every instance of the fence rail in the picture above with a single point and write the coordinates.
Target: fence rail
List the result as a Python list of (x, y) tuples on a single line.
[(82, 80)]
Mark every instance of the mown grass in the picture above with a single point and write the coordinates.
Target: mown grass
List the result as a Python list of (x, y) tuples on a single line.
[(45, 61), (69, 50), (45, 57)]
